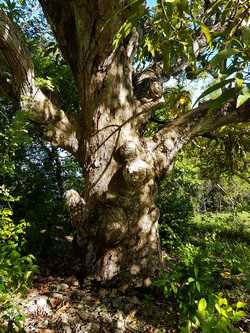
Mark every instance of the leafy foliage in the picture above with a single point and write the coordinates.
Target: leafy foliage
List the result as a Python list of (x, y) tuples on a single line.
[(220, 316), (16, 268), (207, 262), (176, 202), (13, 135), (206, 243)]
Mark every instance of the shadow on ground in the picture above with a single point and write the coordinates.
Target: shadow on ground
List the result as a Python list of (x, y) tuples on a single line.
[(56, 303)]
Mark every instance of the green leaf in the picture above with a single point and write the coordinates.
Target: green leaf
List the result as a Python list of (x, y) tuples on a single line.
[(45, 83), (220, 101), (223, 312), (202, 305), (150, 46), (174, 288), (27, 275), (217, 307), (233, 30), (196, 271), (190, 280), (222, 301), (198, 286), (123, 32), (215, 87), (240, 305), (239, 315), (207, 34), (243, 97)]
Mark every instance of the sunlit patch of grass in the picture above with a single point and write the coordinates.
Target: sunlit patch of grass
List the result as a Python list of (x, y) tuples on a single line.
[(212, 257), (224, 225)]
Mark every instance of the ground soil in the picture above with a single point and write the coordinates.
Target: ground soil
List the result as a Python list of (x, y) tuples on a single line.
[(56, 302)]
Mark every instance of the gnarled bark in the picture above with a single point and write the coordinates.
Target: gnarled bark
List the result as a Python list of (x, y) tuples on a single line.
[(118, 232), (116, 219)]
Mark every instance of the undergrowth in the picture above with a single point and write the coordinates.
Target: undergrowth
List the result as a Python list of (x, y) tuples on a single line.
[(16, 267), (208, 271)]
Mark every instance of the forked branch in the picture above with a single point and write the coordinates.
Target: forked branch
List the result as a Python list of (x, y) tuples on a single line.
[(202, 120)]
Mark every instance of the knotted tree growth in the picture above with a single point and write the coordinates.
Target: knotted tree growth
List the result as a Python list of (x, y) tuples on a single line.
[(121, 54)]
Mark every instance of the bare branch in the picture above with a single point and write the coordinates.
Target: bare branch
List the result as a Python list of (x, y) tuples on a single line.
[(203, 120), (57, 127), (145, 109)]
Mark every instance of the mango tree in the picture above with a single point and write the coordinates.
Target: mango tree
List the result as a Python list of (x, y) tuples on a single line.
[(121, 54)]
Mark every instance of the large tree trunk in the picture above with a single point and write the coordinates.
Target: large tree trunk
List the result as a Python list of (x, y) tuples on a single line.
[(117, 224), (118, 236), (116, 218)]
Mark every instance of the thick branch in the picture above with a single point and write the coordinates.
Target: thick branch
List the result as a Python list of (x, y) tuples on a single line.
[(153, 105), (60, 14), (211, 120), (56, 126), (202, 120), (54, 123), (85, 30), (13, 54)]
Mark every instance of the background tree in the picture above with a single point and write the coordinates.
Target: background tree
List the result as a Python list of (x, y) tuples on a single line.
[(103, 42)]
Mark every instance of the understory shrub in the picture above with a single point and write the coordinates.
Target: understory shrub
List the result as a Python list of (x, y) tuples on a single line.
[(16, 267), (208, 270)]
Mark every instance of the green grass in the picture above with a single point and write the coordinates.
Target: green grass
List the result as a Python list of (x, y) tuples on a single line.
[(212, 256), (224, 225)]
